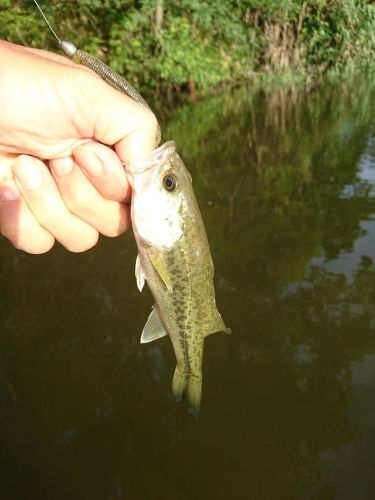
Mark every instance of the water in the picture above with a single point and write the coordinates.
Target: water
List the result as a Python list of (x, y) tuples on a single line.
[(286, 183)]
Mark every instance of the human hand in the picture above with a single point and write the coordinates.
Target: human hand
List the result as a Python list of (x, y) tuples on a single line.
[(60, 178)]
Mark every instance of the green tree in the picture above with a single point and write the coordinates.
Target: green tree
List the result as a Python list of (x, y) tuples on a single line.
[(178, 45)]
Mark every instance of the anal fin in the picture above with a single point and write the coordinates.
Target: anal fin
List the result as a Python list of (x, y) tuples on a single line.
[(153, 329)]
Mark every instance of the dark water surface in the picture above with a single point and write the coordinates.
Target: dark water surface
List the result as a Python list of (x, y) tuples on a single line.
[(286, 183)]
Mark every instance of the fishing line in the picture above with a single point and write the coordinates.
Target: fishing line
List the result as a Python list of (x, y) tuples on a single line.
[(46, 20)]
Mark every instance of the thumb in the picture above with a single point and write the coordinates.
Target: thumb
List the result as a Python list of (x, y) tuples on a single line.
[(122, 122)]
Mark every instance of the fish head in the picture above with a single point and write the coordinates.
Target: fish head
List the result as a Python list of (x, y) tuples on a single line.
[(160, 200)]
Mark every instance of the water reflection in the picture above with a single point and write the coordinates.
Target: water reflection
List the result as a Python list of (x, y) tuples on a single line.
[(285, 179)]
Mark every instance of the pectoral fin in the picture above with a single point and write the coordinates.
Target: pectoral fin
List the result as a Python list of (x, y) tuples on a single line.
[(217, 325), (158, 261), (139, 274), (153, 329)]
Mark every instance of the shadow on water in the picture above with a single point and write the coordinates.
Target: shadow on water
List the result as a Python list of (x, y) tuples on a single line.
[(285, 180)]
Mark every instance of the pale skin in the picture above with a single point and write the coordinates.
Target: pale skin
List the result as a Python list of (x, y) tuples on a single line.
[(65, 137)]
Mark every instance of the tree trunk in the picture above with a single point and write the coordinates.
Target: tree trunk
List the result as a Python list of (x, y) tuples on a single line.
[(159, 16)]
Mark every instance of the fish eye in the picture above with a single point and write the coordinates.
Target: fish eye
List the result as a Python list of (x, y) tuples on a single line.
[(170, 183)]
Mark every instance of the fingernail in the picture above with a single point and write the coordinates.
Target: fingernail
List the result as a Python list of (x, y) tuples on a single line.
[(28, 174), (62, 166), (8, 191), (89, 161)]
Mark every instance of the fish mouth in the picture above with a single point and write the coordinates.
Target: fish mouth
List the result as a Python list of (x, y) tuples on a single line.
[(152, 159)]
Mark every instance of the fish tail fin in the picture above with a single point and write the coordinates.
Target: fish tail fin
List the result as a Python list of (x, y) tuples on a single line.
[(179, 384), (194, 394), (189, 388)]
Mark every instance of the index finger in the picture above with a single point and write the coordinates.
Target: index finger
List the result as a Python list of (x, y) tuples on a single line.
[(120, 121)]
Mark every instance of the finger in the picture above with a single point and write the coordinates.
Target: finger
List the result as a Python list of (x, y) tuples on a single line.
[(42, 196), (109, 217), (18, 224), (121, 121), (104, 169), (141, 140)]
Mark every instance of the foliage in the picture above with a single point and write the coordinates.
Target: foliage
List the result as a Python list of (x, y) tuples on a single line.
[(339, 32), (196, 45)]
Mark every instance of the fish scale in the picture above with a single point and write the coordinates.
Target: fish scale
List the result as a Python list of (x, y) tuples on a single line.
[(183, 289)]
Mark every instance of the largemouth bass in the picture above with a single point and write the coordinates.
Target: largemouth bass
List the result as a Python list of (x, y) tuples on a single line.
[(174, 258)]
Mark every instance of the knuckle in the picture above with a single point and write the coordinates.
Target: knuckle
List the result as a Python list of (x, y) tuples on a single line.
[(146, 119), (30, 244), (48, 218), (40, 248), (112, 232), (119, 227), (151, 121), (9, 232), (4, 232), (86, 242), (78, 199), (24, 232)]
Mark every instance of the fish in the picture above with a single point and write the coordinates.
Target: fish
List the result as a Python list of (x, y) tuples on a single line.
[(174, 258)]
